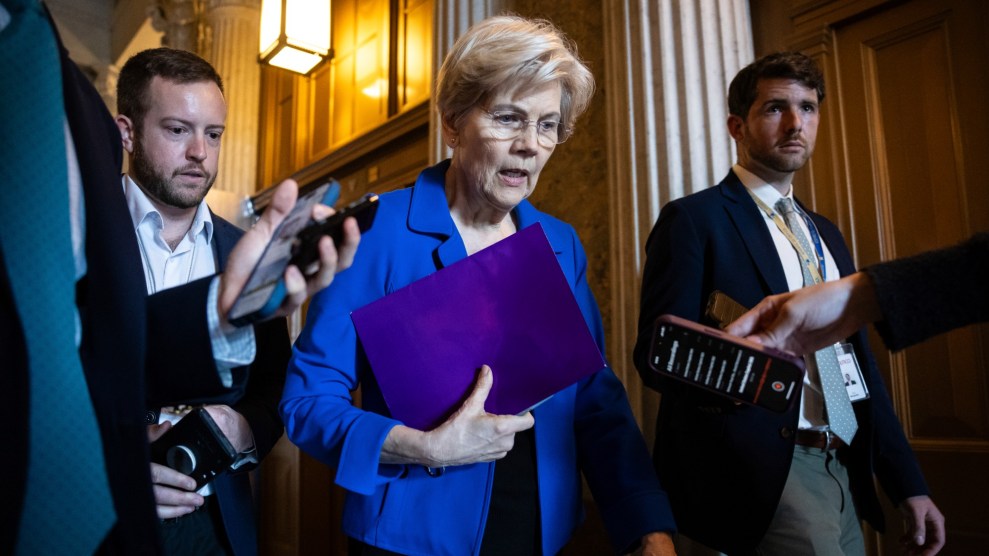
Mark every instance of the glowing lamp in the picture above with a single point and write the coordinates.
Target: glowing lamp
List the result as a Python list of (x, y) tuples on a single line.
[(295, 34)]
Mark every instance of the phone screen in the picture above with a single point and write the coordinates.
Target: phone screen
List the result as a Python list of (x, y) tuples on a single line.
[(715, 361), (253, 301)]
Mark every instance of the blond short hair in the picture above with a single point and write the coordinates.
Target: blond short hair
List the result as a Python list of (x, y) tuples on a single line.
[(508, 53)]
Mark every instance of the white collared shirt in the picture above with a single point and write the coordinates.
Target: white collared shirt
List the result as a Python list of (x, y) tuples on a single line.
[(812, 401), (193, 258), (164, 268)]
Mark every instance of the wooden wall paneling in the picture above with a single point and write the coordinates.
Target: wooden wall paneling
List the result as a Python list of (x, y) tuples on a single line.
[(301, 510), (371, 65), (344, 64), (320, 112), (413, 59), (277, 158), (822, 182), (901, 154)]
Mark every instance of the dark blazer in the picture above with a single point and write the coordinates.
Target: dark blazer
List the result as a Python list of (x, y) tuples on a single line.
[(124, 331), (724, 466), (259, 406), (932, 292)]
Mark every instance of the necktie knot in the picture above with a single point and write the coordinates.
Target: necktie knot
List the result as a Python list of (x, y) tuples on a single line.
[(785, 206)]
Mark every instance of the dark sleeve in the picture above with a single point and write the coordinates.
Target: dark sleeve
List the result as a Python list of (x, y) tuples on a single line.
[(933, 292), (893, 460), (672, 283), (180, 367), (264, 389), (611, 451)]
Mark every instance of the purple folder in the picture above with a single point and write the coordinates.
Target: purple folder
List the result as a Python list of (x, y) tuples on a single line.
[(508, 306)]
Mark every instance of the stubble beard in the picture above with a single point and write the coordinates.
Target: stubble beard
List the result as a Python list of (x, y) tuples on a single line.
[(154, 182), (784, 164)]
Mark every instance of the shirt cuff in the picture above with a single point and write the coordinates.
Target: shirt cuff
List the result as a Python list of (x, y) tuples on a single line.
[(232, 346)]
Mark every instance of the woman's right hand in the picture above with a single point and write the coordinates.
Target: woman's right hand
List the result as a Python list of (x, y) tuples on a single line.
[(470, 435)]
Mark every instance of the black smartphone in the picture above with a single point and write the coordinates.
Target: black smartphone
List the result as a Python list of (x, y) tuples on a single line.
[(196, 447), (265, 288), (718, 362), (305, 253)]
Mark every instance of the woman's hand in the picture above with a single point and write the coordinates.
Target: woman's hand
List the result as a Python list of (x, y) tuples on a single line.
[(470, 435)]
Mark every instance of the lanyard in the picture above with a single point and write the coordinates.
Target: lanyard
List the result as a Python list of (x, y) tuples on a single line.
[(815, 238), (817, 271)]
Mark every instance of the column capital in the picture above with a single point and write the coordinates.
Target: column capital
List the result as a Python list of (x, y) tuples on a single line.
[(179, 21)]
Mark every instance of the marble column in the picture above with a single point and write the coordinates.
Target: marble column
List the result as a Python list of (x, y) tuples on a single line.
[(230, 43), (450, 19), (668, 65)]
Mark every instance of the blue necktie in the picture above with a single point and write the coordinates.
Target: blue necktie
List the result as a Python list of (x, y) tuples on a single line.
[(67, 504), (841, 416)]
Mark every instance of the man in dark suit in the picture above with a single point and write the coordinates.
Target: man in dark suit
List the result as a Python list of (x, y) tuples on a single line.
[(123, 330), (744, 479), (171, 116)]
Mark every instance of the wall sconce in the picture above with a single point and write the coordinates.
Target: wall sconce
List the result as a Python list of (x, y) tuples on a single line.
[(295, 34)]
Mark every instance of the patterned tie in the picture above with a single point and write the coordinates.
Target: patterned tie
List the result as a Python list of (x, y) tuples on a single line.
[(841, 416), (67, 504)]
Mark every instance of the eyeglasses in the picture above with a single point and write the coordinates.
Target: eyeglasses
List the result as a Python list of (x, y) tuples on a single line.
[(511, 125)]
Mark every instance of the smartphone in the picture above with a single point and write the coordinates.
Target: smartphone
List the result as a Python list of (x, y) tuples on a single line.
[(196, 447), (733, 367), (265, 289), (723, 309), (305, 252)]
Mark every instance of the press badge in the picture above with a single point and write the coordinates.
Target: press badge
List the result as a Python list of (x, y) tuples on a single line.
[(850, 371)]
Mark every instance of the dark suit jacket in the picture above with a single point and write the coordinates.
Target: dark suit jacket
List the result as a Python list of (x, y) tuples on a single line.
[(724, 466), (259, 406), (932, 292), (124, 331)]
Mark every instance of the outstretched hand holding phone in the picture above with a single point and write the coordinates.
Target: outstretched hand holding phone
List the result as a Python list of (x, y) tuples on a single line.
[(298, 287)]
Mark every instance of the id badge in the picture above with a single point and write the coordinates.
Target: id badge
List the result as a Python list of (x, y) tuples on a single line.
[(850, 371)]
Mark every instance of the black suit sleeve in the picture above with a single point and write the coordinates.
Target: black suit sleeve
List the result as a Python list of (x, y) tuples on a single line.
[(180, 366), (933, 292), (671, 282), (264, 389)]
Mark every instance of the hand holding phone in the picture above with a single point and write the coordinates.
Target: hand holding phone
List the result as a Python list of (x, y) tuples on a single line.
[(265, 288), (730, 366), (195, 447), (305, 247)]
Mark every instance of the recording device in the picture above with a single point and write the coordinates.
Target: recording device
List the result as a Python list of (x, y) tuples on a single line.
[(196, 447), (305, 249), (296, 242), (726, 365)]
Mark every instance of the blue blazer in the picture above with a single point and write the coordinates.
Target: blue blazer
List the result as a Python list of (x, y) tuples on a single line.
[(724, 466), (586, 428)]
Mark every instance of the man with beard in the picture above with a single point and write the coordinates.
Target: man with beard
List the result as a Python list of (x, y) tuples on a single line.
[(743, 479), (171, 119)]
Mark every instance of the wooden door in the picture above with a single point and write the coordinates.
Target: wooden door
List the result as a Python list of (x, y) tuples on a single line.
[(902, 167)]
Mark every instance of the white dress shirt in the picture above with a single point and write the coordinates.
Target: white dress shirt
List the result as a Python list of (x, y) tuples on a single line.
[(812, 401), (193, 258)]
